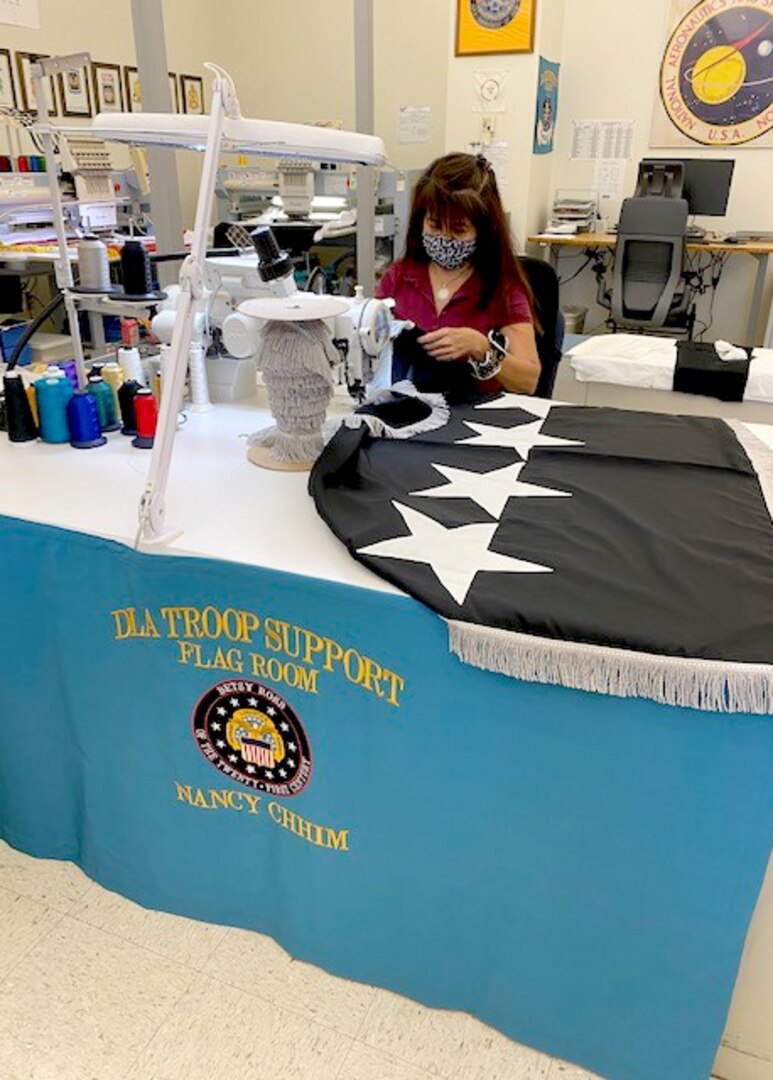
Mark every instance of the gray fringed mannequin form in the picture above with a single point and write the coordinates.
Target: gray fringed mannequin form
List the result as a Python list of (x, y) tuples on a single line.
[(297, 361)]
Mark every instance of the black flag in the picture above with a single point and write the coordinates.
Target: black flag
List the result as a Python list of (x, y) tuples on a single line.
[(626, 530)]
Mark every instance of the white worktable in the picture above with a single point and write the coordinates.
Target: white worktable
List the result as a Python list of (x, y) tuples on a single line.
[(229, 509)]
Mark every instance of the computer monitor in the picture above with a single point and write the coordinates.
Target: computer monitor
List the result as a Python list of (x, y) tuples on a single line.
[(706, 182)]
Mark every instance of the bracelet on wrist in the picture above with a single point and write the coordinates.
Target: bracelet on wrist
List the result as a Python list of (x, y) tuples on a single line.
[(487, 368), (491, 364)]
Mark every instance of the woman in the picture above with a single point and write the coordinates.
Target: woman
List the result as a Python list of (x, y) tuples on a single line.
[(461, 283)]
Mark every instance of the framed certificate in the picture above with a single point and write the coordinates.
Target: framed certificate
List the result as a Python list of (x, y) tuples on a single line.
[(106, 80)]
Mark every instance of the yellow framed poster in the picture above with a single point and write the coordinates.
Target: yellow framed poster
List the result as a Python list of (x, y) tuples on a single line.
[(488, 27)]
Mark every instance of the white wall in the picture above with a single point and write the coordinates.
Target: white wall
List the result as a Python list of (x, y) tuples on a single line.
[(294, 60)]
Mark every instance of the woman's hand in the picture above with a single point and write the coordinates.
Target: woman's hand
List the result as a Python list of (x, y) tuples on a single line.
[(455, 343)]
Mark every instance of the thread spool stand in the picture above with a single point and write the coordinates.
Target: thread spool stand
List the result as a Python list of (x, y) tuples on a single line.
[(75, 300)]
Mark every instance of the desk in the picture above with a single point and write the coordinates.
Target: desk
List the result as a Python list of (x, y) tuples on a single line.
[(578, 870), (759, 252)]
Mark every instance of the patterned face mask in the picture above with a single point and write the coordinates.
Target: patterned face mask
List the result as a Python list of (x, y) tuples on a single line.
[(447, 252)]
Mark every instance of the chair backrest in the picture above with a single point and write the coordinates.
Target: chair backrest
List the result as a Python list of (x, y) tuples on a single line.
[(648, 260), (544, 284)]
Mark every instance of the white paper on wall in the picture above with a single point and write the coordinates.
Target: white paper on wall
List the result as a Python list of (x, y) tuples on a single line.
[(490, 96), (609, 177), (415, 124), (592, 139), (497, 154), (20, 13)]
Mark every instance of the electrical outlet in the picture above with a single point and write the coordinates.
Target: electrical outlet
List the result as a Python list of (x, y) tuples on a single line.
[(488, 127)]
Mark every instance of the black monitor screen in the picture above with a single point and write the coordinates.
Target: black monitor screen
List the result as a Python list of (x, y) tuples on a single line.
[(706, 183)]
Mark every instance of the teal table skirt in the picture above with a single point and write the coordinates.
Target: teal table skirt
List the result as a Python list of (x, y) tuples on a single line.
[(577, 870)]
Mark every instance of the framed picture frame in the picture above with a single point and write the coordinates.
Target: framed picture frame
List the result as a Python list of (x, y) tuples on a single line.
[(174, 90), (492, 27), (7, 85), (192, 93), (74, 95), (27, 102), (106, 83), (132, 89)]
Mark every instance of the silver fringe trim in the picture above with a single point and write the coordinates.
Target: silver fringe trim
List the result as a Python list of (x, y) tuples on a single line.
[(719, 686), (711, 685), (438, 417)]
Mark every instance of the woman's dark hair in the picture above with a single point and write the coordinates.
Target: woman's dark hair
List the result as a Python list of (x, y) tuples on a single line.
[(463, 187)]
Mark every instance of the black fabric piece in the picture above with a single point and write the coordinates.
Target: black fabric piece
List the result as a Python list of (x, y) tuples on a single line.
[(666, 545), (700, 371), (399, 410), (411, 361)]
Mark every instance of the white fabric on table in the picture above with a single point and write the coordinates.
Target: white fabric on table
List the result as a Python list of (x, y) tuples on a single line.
[(648, 363)]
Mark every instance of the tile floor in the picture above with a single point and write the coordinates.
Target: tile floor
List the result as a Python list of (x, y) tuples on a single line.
[(94, 987)]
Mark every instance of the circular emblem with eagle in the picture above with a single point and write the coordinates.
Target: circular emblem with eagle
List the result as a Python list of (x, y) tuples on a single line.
[(716, 77), (250, 733), (494, 14)]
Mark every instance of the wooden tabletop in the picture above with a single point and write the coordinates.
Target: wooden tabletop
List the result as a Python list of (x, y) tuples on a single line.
[(608, 240)]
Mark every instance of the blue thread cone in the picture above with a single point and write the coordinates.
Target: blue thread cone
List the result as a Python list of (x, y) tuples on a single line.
[(83, 421), (52, 393)]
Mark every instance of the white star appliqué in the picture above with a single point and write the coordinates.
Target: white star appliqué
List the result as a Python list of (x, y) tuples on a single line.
[(490, 490), (536, 406), (455, 555), (523, 437)]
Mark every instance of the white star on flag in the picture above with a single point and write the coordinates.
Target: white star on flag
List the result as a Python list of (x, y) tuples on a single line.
[(523, 437), (490, 490), (455, 555), (536, 406)]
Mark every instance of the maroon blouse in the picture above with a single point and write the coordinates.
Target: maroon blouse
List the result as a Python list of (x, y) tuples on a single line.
[(408, 283)]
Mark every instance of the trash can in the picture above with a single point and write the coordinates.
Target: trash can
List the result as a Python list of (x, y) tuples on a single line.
[(574, 318)]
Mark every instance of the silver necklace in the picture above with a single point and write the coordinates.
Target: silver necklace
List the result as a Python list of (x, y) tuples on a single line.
[(444, 291)]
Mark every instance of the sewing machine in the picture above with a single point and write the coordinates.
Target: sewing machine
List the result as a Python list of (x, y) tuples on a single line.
[(361, 333)]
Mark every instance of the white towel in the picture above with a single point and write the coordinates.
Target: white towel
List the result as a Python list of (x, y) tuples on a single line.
[(726, 351)]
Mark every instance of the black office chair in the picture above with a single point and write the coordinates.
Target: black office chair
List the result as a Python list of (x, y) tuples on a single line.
[(648, 291), (544, 284)]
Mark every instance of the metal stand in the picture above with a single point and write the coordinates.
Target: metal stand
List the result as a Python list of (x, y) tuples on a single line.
[(62, 268), (152, 530)]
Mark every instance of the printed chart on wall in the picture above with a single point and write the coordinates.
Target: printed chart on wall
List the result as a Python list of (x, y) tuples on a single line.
[(547, 106), (716, 75), (20, 13)]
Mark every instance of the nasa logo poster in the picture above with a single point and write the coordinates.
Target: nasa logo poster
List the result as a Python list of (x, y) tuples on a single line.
[(716, 75)]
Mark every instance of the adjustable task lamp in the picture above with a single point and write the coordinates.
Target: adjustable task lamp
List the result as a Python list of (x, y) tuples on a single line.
[(224, 130)]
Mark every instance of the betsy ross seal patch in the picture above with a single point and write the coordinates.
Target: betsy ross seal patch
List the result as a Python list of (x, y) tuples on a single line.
[(250, 733)]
